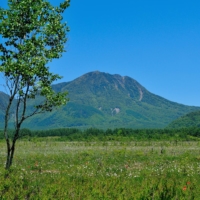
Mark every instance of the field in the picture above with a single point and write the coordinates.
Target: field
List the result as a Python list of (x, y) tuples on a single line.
[(50, 169)]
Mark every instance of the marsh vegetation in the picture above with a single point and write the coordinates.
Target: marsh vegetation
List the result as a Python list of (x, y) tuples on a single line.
[(47, 168)]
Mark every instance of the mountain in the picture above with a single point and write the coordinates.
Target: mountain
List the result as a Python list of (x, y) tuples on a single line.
[(3, 103), (189, 120), (103, 100)]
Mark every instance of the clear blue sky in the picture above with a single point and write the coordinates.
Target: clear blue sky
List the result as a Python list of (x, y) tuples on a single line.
[(156, 42)]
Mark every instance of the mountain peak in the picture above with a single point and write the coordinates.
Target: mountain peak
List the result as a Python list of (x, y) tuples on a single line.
[(99, 99)]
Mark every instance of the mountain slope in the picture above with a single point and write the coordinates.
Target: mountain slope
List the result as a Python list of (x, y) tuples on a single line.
[(4, 99), (189, 120), (103, 100), (3, 103)]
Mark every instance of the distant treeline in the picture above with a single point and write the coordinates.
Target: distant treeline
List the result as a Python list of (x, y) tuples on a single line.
[(118, 134)]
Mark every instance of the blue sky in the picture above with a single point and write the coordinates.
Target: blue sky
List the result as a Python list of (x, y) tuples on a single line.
[(155, 42)]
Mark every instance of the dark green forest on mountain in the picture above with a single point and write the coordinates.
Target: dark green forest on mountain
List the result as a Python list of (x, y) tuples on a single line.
[(101, 100), (189, 120)]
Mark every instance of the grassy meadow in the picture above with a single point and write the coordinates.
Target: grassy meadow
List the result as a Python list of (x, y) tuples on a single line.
[(50, 169)]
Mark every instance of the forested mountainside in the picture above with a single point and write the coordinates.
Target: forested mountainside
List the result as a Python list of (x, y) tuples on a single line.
[(189, 120), (102, 100)]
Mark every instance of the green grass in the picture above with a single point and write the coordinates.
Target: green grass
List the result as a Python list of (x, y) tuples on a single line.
[(47, 169)]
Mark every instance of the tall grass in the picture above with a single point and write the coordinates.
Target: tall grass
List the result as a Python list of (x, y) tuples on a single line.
[(48, 169)]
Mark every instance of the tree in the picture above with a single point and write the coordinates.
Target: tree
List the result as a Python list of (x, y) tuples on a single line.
[(33, 35)]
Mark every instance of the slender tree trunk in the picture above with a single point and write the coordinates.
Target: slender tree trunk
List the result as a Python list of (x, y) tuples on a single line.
[(8, 154), (11, 151), (6, 134)]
